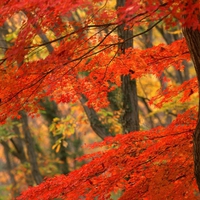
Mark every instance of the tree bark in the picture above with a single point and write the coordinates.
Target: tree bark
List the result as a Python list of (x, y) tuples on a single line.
[(129, 90), (14, 189), (51, 111), (193, 41), (93, 118), (30, 149)]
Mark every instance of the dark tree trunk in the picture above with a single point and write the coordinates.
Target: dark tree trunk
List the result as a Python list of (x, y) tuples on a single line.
[(19, 152), (93, 118), (14, 189), (30, 149), (51, 112), (193, 41), (129, 90)]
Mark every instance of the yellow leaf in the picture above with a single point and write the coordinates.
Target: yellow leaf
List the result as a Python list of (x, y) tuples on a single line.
[(65, 144), (58, 148), (56, 119), (54, 146), (175, 32)]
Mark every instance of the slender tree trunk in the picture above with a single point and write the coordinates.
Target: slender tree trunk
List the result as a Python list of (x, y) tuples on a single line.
[(19, 153), (129, 90), (51, 111), (193, 41), (30, 149), (14, 189), (93, 118)]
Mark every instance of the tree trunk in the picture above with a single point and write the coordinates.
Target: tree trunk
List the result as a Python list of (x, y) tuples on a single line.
[(193, 41), (93, 118), (51, 112), (129, 90), (30, 149), (14, 189), (19, 151)]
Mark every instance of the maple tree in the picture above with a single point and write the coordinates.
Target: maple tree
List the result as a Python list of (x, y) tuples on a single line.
[(87, 59)]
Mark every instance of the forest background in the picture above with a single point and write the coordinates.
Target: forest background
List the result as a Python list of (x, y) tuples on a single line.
[(76, 80)]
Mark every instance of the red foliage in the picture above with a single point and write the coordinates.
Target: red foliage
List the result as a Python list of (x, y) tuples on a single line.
[(155, 164), (56, 75)]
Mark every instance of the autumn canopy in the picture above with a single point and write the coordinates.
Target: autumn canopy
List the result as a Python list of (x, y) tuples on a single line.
[(87, 58)]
